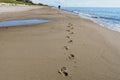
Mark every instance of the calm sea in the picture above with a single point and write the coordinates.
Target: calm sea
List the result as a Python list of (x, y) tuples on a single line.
[(107, 17)]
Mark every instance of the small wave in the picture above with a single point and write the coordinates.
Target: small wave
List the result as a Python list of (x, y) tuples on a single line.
[(88, 15), (94, 16), (110, 24), (104, 19), (76, 12), (110, 18)]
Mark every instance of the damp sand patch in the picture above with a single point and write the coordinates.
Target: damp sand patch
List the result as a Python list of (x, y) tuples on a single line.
[(15, 23)]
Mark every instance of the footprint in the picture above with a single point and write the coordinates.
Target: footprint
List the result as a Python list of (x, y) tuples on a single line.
[(68, 30), (68, 37), (70, 41), (70, 24), (71, 32), (72, 28), (71, 56), (66, 47), (63, 71)]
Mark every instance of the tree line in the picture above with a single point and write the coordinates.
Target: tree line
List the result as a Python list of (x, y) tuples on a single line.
[(28, 1)]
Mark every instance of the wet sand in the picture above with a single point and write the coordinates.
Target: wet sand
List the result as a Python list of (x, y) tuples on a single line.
[(70, 48)]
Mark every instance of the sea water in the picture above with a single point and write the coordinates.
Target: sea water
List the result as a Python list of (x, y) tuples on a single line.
[(107, 17)]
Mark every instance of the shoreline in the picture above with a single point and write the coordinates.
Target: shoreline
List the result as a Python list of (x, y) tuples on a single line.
[(92, 21), (78, 47), (96, 19)]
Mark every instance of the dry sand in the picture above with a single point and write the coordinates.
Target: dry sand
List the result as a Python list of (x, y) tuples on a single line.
[(70, 48), (15, 8)]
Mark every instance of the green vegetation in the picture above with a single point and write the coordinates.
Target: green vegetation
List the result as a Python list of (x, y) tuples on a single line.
[(11, 1), (41, 4), (27, 2)]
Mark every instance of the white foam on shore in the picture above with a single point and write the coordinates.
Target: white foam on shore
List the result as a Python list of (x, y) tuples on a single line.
[(108, 24), (102, 22)]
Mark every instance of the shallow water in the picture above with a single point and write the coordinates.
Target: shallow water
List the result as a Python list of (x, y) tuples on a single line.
[(107, 17), (22, 22)]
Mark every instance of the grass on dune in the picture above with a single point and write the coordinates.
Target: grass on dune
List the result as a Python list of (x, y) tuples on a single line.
[(19, 2), (15, 2), (11, 1)]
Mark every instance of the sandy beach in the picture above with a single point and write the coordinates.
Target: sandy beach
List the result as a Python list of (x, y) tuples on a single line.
[(70, 48), (4, 7)]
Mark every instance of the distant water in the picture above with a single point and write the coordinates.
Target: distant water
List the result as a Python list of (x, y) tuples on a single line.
[(107, 17), (22, 22)]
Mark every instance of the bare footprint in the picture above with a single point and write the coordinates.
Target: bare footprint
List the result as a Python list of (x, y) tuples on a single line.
[(71, 32), (70, 24), (68, 37), (72, 28), (66, 47), (63, 71), (70, 41), (68, 30), (71, 56)]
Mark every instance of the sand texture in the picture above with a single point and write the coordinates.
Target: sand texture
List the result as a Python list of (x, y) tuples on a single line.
[(70, 48), (15, 8)]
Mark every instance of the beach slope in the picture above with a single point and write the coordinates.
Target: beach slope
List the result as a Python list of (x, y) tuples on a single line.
[(69, 48)]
